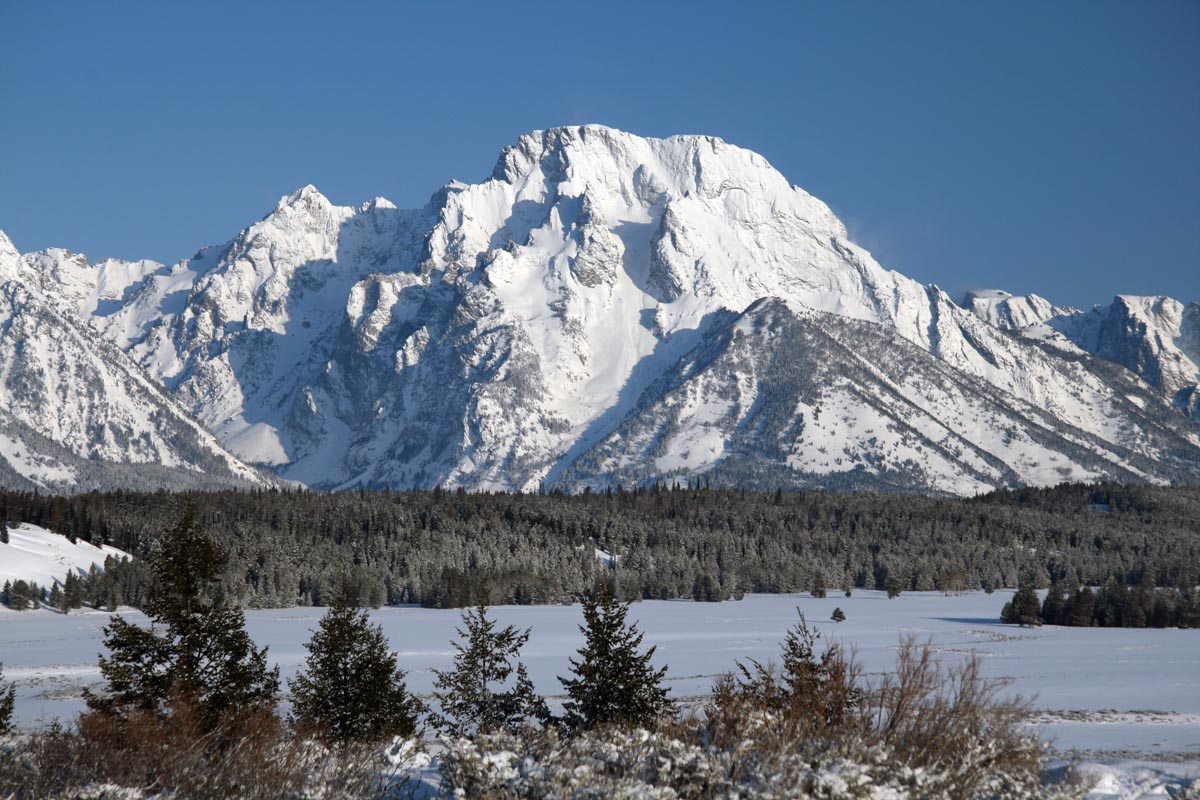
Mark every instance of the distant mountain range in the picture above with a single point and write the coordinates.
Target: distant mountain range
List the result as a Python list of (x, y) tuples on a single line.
[(604, 309)]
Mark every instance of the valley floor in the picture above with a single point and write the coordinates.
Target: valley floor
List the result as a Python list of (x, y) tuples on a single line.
[(1127, 699)]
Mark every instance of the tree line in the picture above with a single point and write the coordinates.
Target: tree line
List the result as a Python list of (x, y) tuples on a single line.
[(453, 548), (1114, 605)]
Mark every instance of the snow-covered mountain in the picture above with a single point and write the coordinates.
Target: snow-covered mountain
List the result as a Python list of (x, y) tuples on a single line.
[(610, 308), (1011, 312), (76, 413), (1157, 337)]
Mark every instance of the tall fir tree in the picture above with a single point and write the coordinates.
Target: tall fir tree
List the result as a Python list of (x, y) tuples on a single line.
[(73, 592), (471, 697), (203, 656), (8, 699), (614, 682), (351, 688)]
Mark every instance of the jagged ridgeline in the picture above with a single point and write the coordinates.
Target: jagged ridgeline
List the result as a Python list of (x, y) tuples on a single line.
[(603, 309), (446, 548)]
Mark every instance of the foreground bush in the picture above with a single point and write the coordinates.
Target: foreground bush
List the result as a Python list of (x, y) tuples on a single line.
[(648, 766), (181, 757), (810, 728)]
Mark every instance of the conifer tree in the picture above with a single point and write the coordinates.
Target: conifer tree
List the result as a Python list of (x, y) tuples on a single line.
[(8, 699), (470, 696), (351, 688), (20, 596), (1082, 607), (1024, 608), (614, 682), (203, 656), (838, 615), (73, 592)]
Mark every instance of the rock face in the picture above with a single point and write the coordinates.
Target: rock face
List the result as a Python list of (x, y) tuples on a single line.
[(608, 308)]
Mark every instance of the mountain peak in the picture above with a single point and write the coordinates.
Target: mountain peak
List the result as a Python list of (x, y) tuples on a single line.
[(304, 196)]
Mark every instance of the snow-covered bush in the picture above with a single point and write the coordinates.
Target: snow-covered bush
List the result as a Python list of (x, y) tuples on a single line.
[(655, 766)]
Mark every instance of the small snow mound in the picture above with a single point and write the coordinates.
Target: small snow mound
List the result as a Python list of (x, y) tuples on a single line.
[(1132, 782)]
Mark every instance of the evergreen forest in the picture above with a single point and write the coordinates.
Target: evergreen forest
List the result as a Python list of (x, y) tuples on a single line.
[(456, 549)]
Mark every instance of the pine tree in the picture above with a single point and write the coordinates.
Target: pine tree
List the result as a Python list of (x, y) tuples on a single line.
[(351, 688), (838, 615), (1082, 608), (1024, 608), (892, 585), (73, 592), (8, 699), (469, 696), (1053, 606), (3, 531), (20, 596), (204, 656), (614, 683)]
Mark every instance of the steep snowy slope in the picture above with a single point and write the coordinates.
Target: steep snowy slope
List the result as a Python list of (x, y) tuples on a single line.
[(553, 294), (1157, 338), (76, 414), (231, 331), (789, 396), (519, 330)]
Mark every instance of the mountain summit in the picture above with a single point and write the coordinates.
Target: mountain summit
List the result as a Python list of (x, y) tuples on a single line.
[(611, 309)]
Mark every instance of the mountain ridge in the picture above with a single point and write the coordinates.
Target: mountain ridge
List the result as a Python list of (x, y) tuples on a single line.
[(501, 336)]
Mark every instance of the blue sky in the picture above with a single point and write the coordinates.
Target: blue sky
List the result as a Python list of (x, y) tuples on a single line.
[(1035, 146)]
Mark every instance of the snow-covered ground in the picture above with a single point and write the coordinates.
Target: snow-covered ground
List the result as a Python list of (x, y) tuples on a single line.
[(35, 554), (1127, 698)]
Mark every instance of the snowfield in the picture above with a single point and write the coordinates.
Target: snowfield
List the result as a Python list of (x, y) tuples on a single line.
[(35, 554), (1127, 699)]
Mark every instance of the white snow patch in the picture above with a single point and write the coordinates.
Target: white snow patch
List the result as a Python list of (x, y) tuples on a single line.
[(44, 557)]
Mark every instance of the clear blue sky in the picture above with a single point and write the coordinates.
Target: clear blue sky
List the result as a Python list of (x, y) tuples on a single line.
[(1035, 146)]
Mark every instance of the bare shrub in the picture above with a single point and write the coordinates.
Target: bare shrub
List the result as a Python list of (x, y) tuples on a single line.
[(950, 716), (251, 757), (948, 720)]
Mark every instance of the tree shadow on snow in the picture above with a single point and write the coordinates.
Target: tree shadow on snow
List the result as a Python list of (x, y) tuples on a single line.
[(972, 620)]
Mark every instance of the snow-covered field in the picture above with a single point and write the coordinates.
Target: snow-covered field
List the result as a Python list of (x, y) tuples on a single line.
[(1123, 696)]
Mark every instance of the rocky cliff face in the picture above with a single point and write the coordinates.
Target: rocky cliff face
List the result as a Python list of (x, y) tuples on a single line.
[(612, 308)]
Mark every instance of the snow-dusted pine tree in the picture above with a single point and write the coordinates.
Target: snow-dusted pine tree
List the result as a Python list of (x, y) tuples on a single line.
[(471, 697), (614, 681), (8, 698), (351, 688), (204, 656)]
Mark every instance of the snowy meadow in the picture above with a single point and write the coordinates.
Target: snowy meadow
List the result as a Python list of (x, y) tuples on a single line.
[(1119, 695)]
